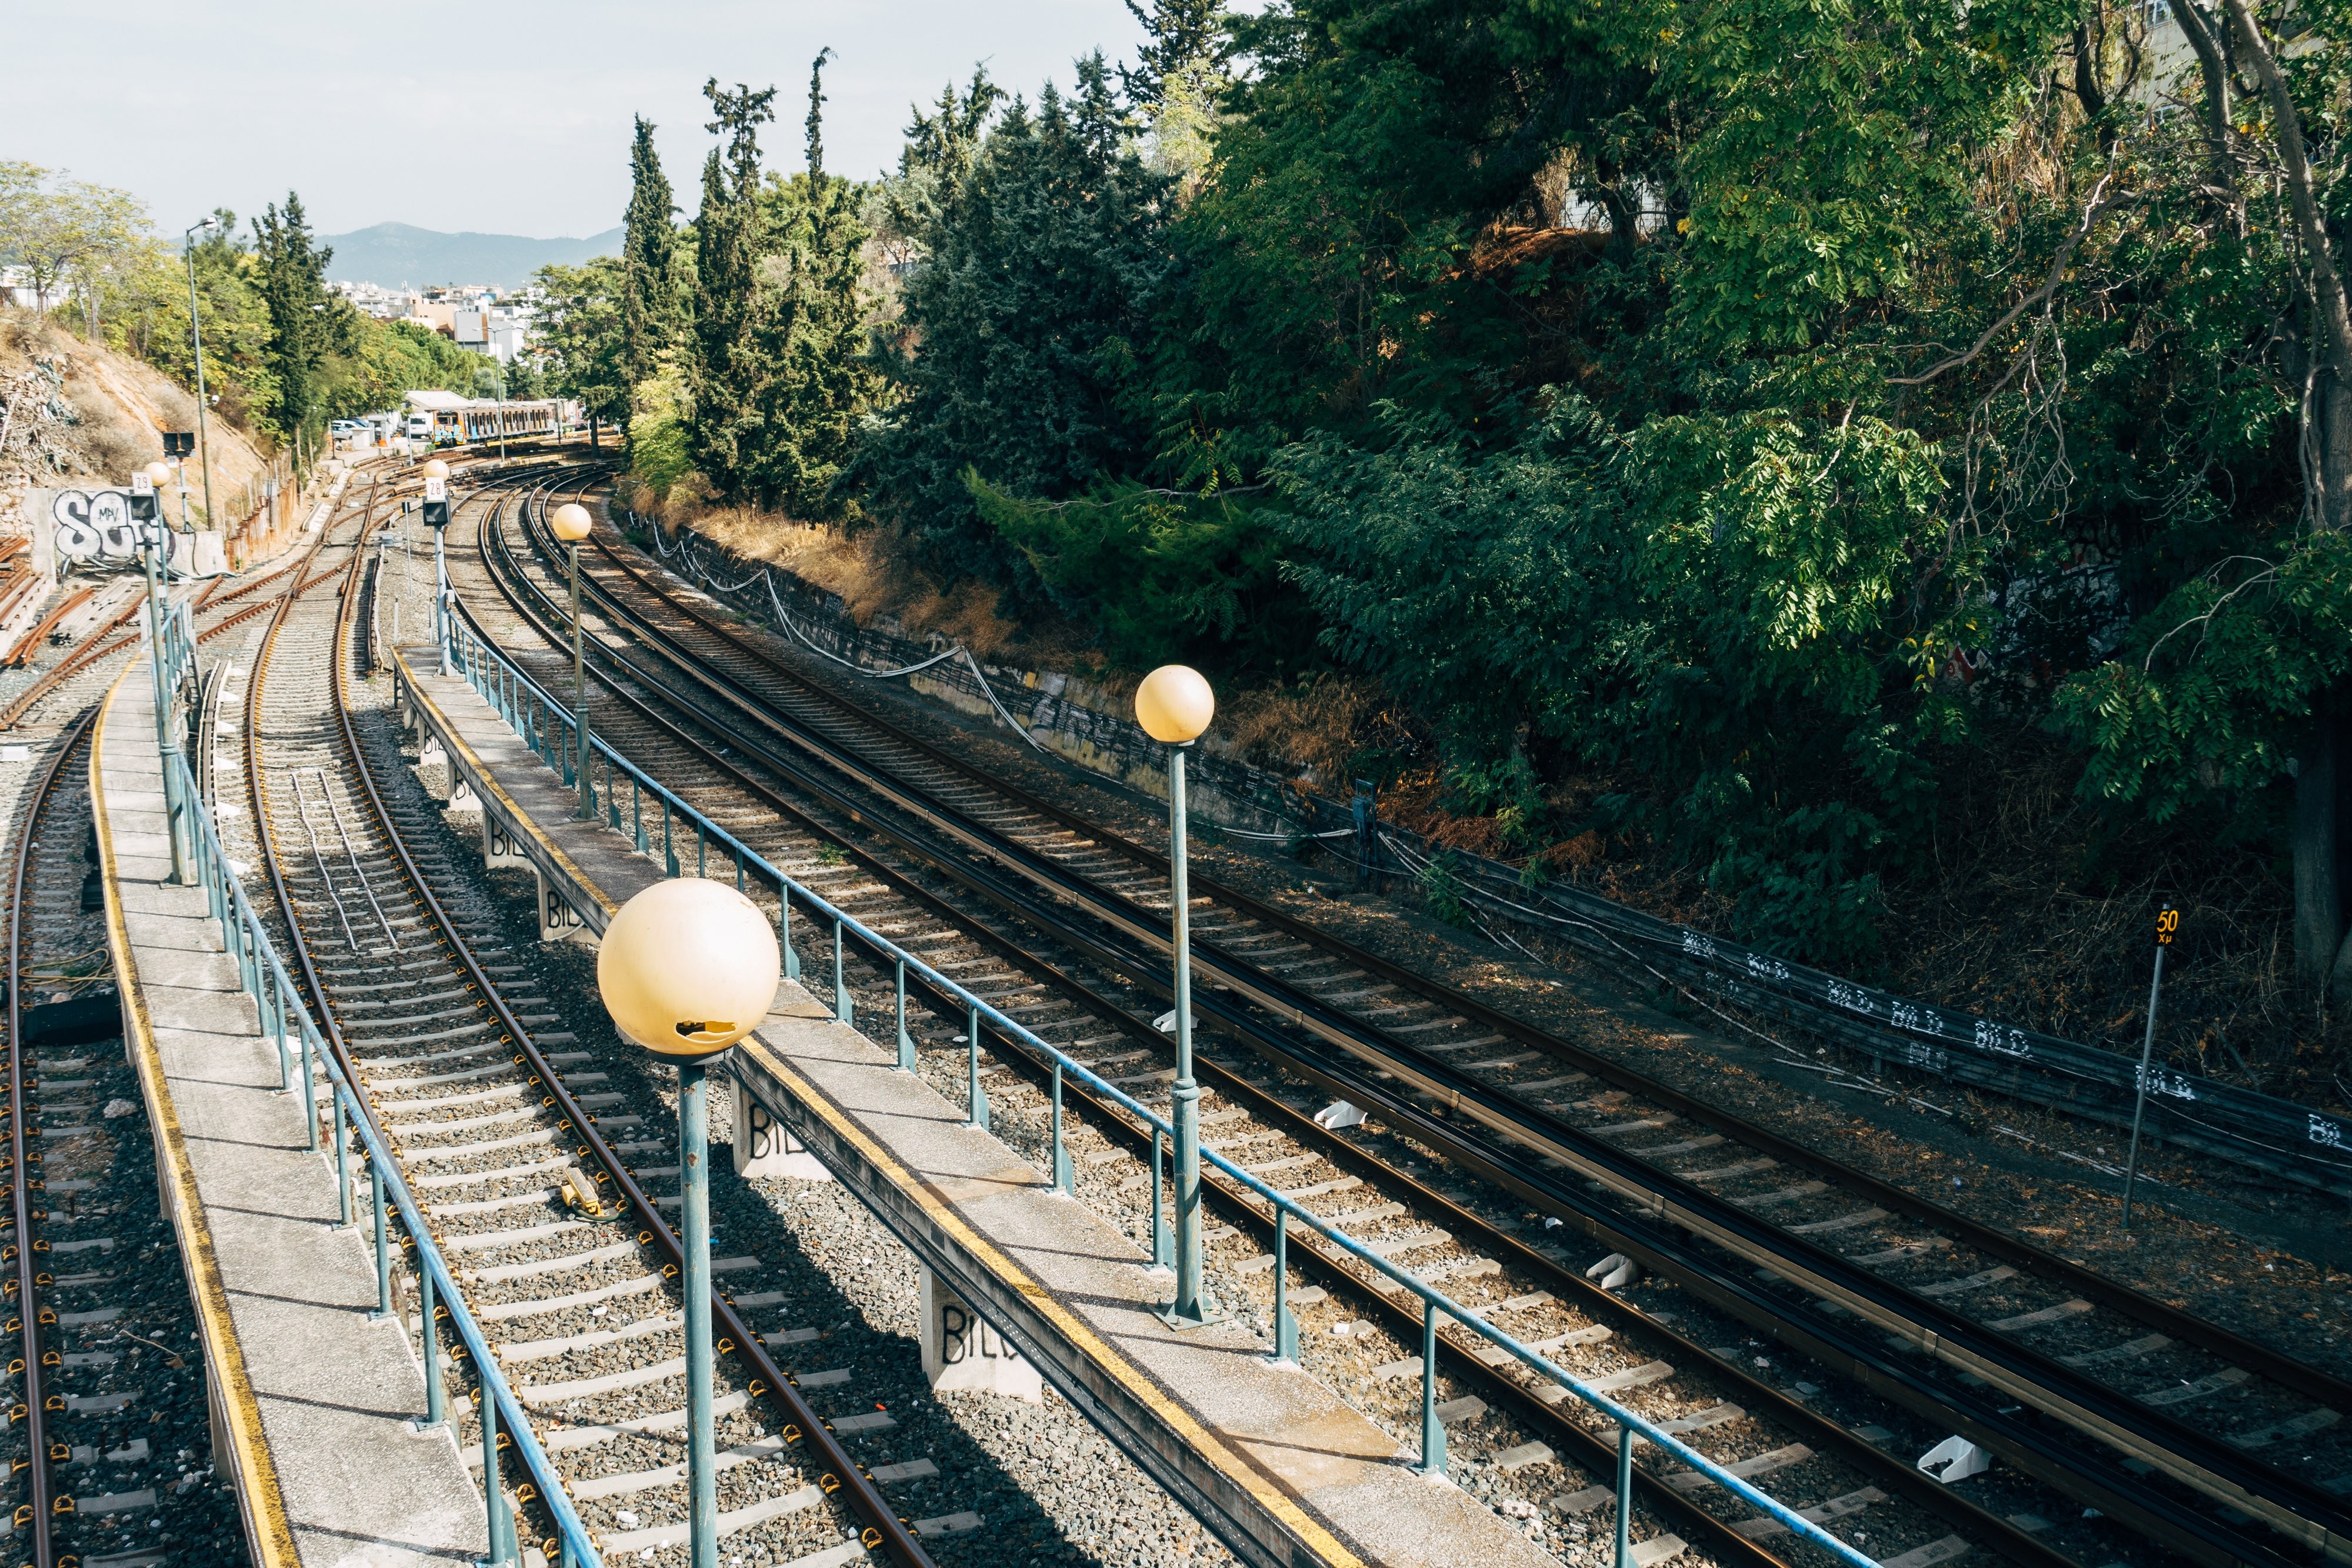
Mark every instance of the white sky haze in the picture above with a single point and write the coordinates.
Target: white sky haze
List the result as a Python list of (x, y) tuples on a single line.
[(504, 118)]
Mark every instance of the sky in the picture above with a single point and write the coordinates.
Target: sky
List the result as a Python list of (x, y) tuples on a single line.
[(504, 118)]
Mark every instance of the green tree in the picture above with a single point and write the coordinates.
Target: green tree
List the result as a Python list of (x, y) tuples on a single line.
[(651, 312), (811, 328), (582, 335), (1042, 252), (306, 321), (725, 374)]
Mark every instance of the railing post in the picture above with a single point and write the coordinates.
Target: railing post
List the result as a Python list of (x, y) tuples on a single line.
[(842, 1005), (1625, 1496), (310, 1102), (434, 1411), (1286, 1326), (494, 1497), (783, 914), (979, 1095), (382, 1246), (1433, 1430), (342, 1166), (1063, 1182), (1163, 1239), (906, 1040), (669, 868)]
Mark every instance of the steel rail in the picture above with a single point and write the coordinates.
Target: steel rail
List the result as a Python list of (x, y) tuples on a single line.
[(838, 1472), (1436, 1304), (2174, 1322), (2227, 1475), (37, 1514), (1718, 1537)]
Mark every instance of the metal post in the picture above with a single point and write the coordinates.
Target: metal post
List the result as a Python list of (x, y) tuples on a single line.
[(842, 1005), (784, 907), (173, 804), (342, 1166), (196, 333), (1286, 1326), (1164, 1240), (2167, 923), (434, 1413), (310, 1102), (1625, 1496), (493, 1491), (1063, 1183), (979, 1095), (694, 1182), (1191, 1307), (906, 1040), (382, 1246), (587, 811), (1433, 1430), (441, 599)]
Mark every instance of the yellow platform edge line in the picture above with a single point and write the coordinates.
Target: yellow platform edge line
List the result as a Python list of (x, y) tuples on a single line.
[(260, 1497), (1276, 1500), (1270, 1493)]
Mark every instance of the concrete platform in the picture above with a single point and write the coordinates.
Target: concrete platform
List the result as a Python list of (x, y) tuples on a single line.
[(1283, 1470), (309, 1400)]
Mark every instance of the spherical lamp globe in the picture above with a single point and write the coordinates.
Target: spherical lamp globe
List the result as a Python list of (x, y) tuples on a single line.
[(1174, 704), (571, 521), (688, 967), (435, 468), (159, 473)]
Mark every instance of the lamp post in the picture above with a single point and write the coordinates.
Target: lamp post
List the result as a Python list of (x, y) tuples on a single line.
[(572, 524), (688, 968), (1174, 705), (196, 333), (147, 516), (437, 516)]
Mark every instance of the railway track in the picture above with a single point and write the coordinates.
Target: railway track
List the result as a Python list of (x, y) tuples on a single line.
[(1600, 1122), (535, 1168), (85, 1431), (946, 937)]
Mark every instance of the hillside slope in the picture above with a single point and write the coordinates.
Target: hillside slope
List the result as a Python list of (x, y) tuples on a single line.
[(79, 413)]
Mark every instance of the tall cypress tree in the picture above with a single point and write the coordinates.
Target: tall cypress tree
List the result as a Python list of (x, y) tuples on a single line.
[(649, 302), (726, 372), (812, 332), (302, 316)]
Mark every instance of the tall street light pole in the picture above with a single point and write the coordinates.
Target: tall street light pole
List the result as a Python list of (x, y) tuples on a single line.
[(688, 968), (572, 524), (197, 331), (1174, 706)]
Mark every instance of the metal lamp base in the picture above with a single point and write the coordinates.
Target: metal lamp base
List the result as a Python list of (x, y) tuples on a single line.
[(1209, 1315)]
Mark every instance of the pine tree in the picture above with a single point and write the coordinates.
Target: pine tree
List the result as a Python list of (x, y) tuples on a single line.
[(1042, 259), (811, 331), (649, 305), (725, 375), (303, 319), (1180, 35)]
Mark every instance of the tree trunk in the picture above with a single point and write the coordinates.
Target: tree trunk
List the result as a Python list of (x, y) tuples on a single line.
[(2318, 897)]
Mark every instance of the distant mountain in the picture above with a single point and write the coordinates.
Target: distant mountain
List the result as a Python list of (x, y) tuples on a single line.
[(392, 254)]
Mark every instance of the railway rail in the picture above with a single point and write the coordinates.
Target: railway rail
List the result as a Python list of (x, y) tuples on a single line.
[(732, 682), (48, 1313), (524, 1157)]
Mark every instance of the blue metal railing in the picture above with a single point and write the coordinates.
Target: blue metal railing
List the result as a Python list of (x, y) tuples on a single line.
[(284, 1016), (547, 727)]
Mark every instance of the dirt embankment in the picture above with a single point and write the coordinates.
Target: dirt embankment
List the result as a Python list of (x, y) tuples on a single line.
[(76, 412)]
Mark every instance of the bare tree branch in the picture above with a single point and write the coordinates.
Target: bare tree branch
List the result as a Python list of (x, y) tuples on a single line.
[(2100, 204)]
